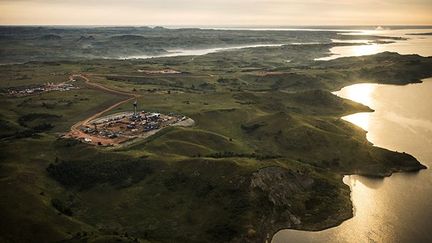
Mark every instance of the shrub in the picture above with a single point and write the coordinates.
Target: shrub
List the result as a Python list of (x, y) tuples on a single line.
[(61, 207)]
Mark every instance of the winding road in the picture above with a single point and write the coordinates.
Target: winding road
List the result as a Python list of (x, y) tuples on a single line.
[(75, 131)]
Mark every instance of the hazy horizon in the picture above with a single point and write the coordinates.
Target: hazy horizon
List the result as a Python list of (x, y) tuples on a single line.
[(396, 26), (216, 13)]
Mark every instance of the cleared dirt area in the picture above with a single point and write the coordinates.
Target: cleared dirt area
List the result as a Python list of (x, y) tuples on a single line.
[(116, 129)]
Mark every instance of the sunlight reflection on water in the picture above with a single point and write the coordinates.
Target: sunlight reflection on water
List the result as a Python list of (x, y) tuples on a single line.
[(397, 208), (415, 44), (361, 93)]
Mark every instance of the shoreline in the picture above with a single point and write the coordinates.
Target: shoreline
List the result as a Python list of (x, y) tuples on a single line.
[(343, 219), (378, 175)]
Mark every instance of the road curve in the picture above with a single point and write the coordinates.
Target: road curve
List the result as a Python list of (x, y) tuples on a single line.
[(75, 128)]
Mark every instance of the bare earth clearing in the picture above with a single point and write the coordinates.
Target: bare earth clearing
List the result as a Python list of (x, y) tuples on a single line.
[(119, 128)]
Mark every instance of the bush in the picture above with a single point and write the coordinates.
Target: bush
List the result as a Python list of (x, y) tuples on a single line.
[(26, 119), (61, 207), (86, 174)]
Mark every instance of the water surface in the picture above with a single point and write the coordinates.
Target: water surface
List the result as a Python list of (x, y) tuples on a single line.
[(397, 208), (198, 52), (415, 44)]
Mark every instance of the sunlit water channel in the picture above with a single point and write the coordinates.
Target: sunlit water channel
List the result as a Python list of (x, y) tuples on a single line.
[(415, 44), (198, 52)]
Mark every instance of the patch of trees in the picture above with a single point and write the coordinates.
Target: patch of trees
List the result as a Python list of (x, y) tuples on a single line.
[(6, 129), (106, 235), (207, 86), (178, 180), (26, 119), (137, 80), (229, 154), (61, 207), (228, 81), (222, 232), (67, 143), (86, 174), (35, 123), (33, 132), (228, 196), (251, 127), (42, 127)]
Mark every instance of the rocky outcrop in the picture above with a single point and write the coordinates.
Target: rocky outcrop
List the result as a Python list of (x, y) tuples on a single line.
[(280, 184), (278, 189)]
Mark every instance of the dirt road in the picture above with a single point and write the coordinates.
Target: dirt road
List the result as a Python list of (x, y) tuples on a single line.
[(75, 131)]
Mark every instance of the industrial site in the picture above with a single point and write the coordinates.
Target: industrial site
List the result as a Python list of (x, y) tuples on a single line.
[(37, 89), (118, 128)]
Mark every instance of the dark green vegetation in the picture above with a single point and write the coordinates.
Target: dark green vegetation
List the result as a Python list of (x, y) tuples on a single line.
[(268, 150), (425, 33)]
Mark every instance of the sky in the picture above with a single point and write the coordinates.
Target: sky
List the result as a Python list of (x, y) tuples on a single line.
[(216, 12)]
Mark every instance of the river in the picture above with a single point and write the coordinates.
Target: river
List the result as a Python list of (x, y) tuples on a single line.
[(414, 44), (198, 52)]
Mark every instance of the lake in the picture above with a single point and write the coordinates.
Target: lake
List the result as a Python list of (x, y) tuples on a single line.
[(397, 208)]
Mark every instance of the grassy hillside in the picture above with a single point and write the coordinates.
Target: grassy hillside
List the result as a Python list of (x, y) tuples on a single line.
[(268, 150)]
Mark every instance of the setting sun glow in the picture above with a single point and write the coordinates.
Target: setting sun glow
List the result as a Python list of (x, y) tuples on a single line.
[(222, 12)]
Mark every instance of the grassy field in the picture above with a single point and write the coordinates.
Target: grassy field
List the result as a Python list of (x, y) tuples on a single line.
[(268, 150)]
